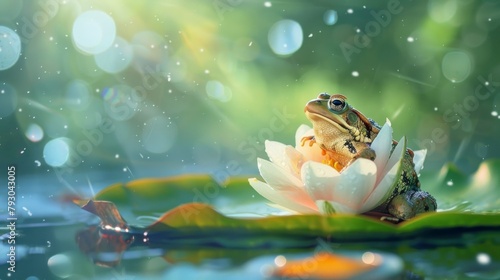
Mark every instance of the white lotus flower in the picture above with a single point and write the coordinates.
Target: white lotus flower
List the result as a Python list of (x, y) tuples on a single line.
[(299, 181)]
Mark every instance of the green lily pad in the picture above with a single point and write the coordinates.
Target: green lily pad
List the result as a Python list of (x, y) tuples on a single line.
[(189, 223), (203, 219), (154, 196), (190, 203)]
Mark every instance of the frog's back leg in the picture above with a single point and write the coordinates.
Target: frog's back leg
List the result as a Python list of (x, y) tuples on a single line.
[(410, 203)]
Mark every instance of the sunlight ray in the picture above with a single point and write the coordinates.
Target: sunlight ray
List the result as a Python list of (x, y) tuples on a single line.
[(410, 79)]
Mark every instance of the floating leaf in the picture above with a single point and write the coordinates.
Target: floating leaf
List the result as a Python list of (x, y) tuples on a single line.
[(187, 228), (107, 212), (195, 219), (158, 195)]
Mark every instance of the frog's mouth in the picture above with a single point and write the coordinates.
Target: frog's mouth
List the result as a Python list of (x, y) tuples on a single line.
[(317, 114)]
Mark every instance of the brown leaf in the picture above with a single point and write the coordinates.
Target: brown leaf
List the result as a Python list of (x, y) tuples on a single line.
[(107, 212)]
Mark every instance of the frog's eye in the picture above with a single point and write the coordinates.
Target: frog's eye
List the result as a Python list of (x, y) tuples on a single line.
[(337, 105), (324, 95)]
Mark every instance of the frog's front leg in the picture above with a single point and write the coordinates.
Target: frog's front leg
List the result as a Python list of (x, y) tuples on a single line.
[(410, 203)]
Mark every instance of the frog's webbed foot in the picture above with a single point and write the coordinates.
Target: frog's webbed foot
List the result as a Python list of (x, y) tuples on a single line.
[(311, 140), (333, 163), (408, 204)]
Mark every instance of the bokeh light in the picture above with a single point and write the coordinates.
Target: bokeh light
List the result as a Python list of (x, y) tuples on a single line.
[(77, 95), (8, 100), (442, 10), (116, 58), (473, 36), (285, 37), (56, 152), (34, 132), (456, 66), (94, 31), (159, 134), (10, 47), (330, 17), (216, 90), (280, 261), (61, 265), (483, 259)]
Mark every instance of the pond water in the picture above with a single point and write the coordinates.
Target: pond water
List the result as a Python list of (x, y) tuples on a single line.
[(94, 93)]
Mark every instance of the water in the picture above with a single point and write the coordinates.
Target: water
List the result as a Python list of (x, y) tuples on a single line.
[(94, 94)]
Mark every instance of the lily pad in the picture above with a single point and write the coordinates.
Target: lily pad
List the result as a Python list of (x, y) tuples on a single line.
[(454, 191), (154, 196), (192, 203), (190, 223)]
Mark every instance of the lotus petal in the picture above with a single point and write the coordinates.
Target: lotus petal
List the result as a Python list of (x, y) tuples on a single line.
[(279, 197), (330, 207), (389, 180), (355, 184), (276, 152), (311, 152), (319, 179), (281, 180), (396, 155), (382, 145), (295, 160), (277, 177)]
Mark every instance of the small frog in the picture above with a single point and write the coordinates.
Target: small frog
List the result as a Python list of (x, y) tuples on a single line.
[(344, 135)]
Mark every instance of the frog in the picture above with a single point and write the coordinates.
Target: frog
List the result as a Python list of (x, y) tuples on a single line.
[(344, 135)]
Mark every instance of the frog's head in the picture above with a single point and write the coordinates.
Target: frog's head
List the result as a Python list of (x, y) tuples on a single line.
[(339, 127)]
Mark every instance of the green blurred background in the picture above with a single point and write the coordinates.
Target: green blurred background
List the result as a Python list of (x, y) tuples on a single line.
[(116, 90)]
